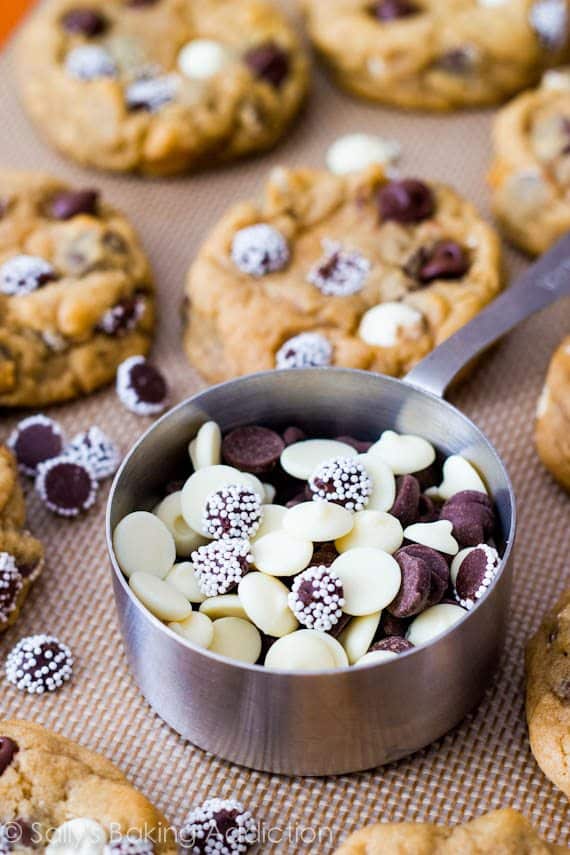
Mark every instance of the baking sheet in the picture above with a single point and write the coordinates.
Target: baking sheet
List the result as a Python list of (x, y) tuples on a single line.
[(483, 764)]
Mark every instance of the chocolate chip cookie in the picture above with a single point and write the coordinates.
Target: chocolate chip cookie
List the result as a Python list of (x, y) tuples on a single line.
[(76, 291), (548, 694), (56, 796), (553, 417), (438, 55), (505, 831), (21, 555), (161, 86), (354, 270), (530, 175)]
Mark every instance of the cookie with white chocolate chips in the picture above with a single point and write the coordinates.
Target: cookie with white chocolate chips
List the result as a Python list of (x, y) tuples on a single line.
[(552, 431), (76, 291), (161, 87), (21, 555), (548, 694), (530, 174), (438, 55), (58, 795), (356, 271)]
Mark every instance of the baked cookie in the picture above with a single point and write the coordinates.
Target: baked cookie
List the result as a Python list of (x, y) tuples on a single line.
[(530, 175), (353, 270), (553, 417), (161, 86), (21, 555), (53, 788), (505, 831), (548, 694), (438, 54), (76, 291)]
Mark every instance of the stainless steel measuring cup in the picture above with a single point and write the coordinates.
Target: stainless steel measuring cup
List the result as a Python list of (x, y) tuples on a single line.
[(355, 718)]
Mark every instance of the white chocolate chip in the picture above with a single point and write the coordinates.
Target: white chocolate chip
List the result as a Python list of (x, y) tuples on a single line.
[(458, 475), (197, 628), (170, 512), (318, 521), (373, 528), (206, 481), (354, 152), (237, 639), (336, 648), (281, 554), (269, 493), (383, 482), (543, 403), (556, 79), (271, 520), (433, 622), (370, 579), (183, 578), (264, 599), (206, 448), (301, 651), (404, 453), (437, 535), (375, 657), (357, 637), (226, 605), (161, 599), (143, 544), (300, 459), (201, 59), (386, 324), (79, 836)]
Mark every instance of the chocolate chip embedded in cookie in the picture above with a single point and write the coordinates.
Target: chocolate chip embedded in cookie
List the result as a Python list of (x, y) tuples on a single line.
[(161, 87), (73, 799), (530, 173), (438, 56), (548, 694), (76, 292), (552, 431), (349, 270)]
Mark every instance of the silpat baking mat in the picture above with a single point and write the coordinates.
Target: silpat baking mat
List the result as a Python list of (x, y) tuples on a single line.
[(483, 764)]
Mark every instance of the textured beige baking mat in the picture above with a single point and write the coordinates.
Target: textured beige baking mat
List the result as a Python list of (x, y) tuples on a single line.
[(483, 764)]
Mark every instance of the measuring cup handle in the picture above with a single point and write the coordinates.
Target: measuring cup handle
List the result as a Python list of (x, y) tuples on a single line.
[(540, 285)]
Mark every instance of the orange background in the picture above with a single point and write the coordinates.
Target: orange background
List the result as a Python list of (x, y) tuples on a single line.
[(10, 13)]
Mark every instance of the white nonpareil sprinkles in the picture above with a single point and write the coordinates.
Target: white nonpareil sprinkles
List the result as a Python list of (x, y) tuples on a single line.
[(343, 481), (218, 827), (221, 565), (316, 598), (39, 664), (232, 512)]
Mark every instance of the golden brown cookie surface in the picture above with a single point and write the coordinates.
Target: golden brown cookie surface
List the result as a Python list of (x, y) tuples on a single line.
[(47, 780), (530, 175), (76, 291), (502, 832), (553, 417), (376, 272), (548, 694), (161, 87), (438, 55)]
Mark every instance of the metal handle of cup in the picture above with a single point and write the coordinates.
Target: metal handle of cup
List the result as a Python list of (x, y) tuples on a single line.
[(540, 285)]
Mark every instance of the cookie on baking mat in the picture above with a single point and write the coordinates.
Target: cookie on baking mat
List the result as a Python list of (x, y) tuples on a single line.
[(351, 270), (76, 291), (505, 831), (530, 175), (161, 86), (548, 694), (438, 55), (55, 793), (552, 430), (21, 555)]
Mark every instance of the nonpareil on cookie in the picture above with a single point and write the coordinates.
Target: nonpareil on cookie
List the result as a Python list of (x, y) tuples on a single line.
[(349, 270)]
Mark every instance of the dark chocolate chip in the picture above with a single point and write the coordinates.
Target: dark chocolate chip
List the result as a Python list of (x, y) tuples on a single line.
[(293, 434), (269, 62), (84, 22), (476, 573), (437, 565), (391, 10), (445, 260), (472, 516), (407, 501), (359, 445), (427, 510), (70, 203), (415, 587), (35, 440), (393, 643), (67, 487), (406, 201), (122, 317), (457, 61), (298, 499), (8, 750), (252, 449), (174, 487), (148, 383), (324, 554), (391, 625)]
